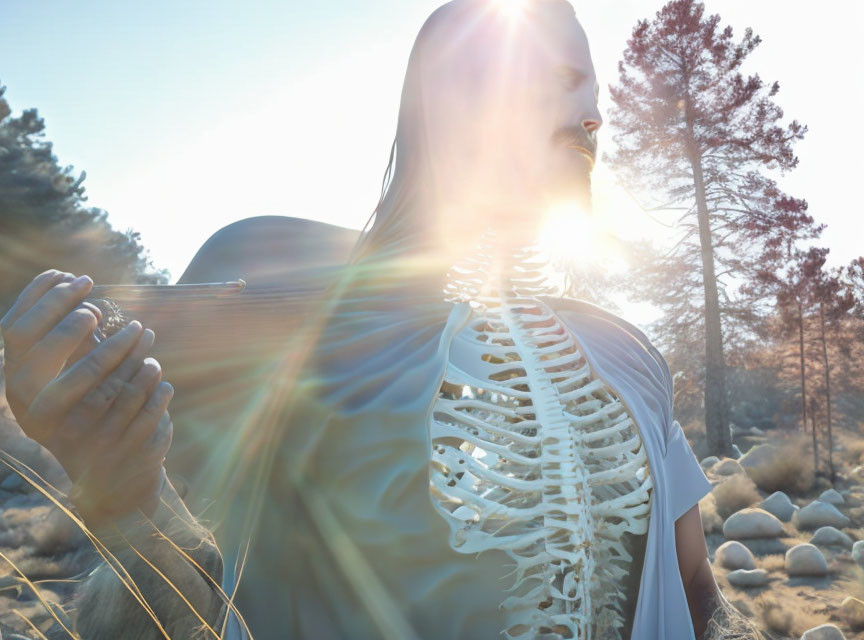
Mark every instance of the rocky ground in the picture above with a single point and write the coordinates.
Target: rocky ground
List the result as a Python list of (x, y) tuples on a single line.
[(792, 561)]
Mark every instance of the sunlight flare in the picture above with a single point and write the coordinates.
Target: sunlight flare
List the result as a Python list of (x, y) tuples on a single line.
[(575, 236), (512, 9)]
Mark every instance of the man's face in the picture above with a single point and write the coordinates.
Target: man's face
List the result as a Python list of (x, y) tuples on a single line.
[(511, 114)]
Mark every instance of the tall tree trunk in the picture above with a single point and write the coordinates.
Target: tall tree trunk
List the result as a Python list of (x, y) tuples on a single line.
[(815, 442), (826, 366), (803, 368), (719, 438)]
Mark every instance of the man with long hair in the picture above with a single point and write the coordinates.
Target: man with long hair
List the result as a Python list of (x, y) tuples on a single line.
[(451, 452)]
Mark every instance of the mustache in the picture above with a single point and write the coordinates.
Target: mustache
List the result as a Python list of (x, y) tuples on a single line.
[(576, 138)]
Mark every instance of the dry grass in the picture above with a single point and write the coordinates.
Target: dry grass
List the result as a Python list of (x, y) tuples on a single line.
[(785, 618), (734, 494), (711, 520), (853, 451), (773, 562), (791, 470)]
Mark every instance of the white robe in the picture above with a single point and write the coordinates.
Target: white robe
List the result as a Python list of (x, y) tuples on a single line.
[(351, 545)]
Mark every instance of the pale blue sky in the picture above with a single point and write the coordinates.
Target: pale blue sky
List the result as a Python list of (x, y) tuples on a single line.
[(189, 114)]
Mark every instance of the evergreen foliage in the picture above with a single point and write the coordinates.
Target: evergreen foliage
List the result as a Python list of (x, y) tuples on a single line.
[(45, 221)]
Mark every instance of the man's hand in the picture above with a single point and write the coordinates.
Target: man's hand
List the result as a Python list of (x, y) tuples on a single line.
[(100, 408)]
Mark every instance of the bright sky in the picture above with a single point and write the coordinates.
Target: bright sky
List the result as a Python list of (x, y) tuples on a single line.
[(190, 114)]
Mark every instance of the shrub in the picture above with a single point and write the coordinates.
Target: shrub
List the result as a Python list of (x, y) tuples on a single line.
[(791, 470), (855, 452), (734, 494), (711, 521), (779, 617)]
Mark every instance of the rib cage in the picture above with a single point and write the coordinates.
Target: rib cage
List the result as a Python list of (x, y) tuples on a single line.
[(536, 457)]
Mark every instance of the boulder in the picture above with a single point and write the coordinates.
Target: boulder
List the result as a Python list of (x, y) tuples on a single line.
[(759, 455), (748, 578), (734, 555), (805, 560), (752, 523), (831, 537), (709, 462), (779, 504), (823, 632), (831, 496), (819, 514), (852, 612), (727, 467), (858, 552)]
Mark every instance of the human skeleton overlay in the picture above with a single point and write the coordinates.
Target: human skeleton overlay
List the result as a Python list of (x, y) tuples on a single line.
[(533, 454)]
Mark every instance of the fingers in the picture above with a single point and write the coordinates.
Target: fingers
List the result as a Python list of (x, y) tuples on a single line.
[(38, 287), (130, 401), (63, 393), (44, 315), (46, 358), (151, 429), (97, 402), (90, 341), (84, 347)]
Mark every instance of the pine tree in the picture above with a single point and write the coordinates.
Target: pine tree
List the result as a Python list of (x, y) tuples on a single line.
[(697, 135), (44, 218)]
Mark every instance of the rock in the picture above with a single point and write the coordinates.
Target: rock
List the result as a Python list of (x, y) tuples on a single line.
[(727, 467), (819, 514), (709, 462), (852, 612), (748, 578), (831, 496), (756, 431), (734, 555), (759, 455), (805, 560), (858, 471), (831, 537), (858, 552), (752, 523), (779, 504), (824, 632)]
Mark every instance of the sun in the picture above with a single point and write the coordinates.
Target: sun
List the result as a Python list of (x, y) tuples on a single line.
[(512, 9), (572, 235)]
